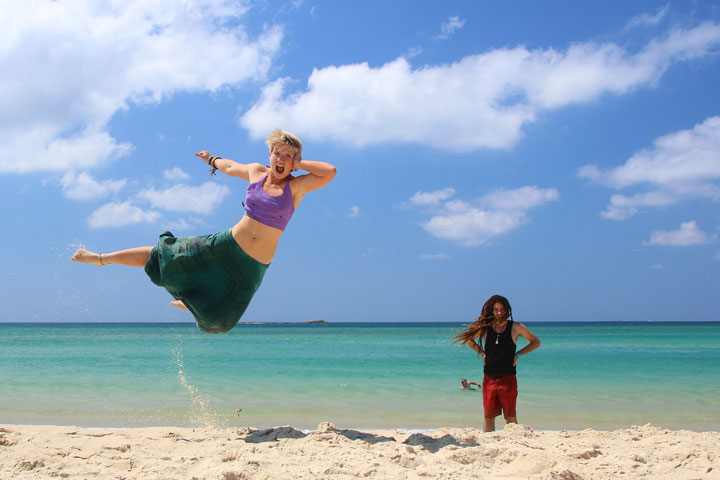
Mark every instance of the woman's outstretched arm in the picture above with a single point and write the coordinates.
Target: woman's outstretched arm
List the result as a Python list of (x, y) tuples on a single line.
[(229, 167)]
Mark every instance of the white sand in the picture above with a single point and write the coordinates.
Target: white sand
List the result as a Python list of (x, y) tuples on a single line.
[(333, 453)]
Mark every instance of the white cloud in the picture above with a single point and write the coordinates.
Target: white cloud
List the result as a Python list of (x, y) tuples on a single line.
[(432, 198), (120, 215), (183, 198), (450, 26), (495, 214), (184, 224), (481, 101), (434, 256), (474, 227), (657, 267), (523, 198), (176, 174), (679, 165), (688, 234), (44, 150), (67, 67), (646, 19), (412, 52), (353, 212), (83, 187), (622, 207), (687, 157)]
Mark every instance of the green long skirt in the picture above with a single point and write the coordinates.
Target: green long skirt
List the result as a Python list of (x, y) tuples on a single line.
[(210, 274)]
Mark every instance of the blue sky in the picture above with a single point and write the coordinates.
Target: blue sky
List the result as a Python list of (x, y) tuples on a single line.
[(565, 154)]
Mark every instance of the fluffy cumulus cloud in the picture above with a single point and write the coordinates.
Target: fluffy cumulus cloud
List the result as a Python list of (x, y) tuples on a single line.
[(481, 101), (120, 214), (185, 224), (183, 198), (680, 165), (622, 207), (432, 198), (67, 67), (83, 186), (180, 198), (476, 223), (176, 174), (688, 234)]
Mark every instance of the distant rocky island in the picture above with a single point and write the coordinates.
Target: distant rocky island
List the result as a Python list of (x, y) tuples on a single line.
[(316, 321)]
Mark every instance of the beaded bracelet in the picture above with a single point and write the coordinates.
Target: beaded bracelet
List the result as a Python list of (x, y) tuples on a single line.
[(211, 162)]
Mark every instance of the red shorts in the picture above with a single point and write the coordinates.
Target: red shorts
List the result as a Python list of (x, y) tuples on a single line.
[(499, 395)]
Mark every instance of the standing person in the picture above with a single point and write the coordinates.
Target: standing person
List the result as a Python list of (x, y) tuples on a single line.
[(496, 329), (215, 276)]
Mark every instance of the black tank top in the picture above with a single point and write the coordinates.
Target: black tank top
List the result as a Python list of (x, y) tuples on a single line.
[(500, 351)]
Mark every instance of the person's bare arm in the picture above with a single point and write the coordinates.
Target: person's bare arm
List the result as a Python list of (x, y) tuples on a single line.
[(230, 167), (520, 330), (476, 344), (319, 174)]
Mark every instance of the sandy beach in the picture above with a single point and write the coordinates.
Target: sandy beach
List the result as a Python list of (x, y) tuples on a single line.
[(333, 452)]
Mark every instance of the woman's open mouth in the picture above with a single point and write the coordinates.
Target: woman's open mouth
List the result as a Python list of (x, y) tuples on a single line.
[(279, 169)]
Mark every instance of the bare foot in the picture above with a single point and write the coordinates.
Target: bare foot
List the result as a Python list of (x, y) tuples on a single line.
[(179, 304), (86, 256)]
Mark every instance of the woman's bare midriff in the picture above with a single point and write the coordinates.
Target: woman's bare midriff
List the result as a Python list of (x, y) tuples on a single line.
[(257, 240)]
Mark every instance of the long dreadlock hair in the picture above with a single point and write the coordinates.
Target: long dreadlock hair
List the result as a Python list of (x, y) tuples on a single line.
[(478, 328)]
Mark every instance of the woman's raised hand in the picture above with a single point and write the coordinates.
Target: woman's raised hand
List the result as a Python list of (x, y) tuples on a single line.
[(204, 156), (297, 160)]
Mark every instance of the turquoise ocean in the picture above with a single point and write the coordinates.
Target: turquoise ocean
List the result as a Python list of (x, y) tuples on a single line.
[(373, 375)]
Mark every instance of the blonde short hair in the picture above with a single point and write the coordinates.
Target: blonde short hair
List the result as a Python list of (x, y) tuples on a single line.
[(282, 138)]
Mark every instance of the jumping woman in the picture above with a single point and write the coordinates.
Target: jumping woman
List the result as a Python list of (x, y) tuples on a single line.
[(215, 276)]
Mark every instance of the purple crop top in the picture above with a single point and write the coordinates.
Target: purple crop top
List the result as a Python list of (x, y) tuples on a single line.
[(271, 211)]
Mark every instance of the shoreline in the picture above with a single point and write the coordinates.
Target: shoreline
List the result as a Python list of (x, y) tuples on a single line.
[(307, 431), (212, 418), (44, 451)]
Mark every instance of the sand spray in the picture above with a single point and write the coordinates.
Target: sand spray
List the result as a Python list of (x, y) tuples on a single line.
[(203, 414)]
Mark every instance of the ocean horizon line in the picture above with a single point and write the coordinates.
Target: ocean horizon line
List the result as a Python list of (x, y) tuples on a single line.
[(320, 323)]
